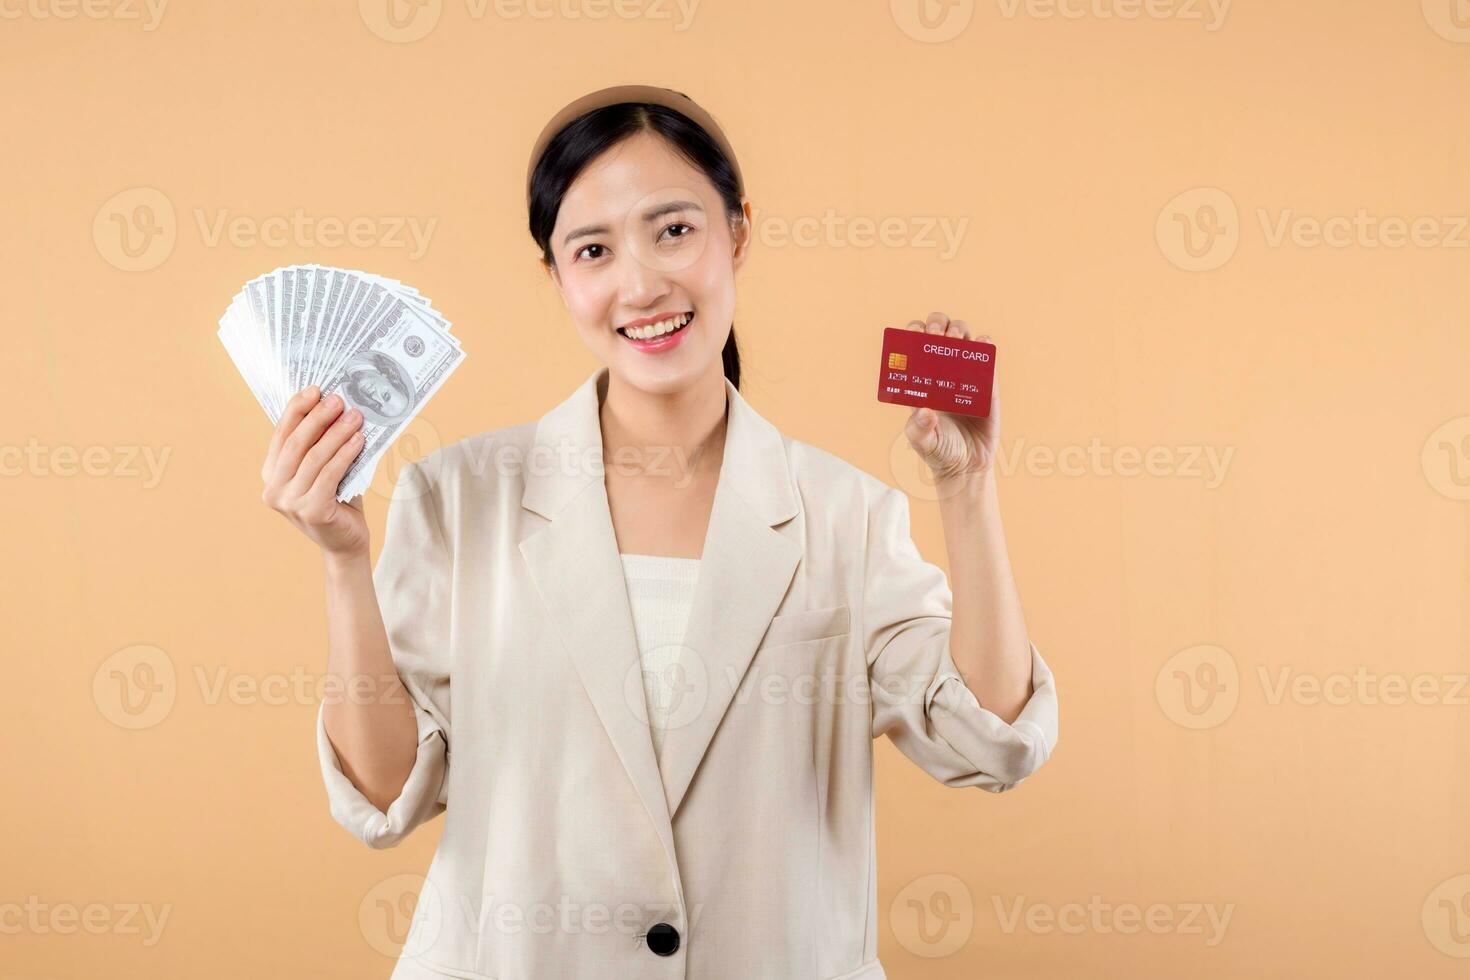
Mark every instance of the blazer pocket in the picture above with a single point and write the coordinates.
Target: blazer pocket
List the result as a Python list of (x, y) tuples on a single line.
[(807, 624)]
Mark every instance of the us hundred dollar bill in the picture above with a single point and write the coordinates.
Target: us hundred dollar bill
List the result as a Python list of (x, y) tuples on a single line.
[(391, 369)]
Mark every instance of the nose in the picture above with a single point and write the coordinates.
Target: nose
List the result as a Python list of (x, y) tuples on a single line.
[(640, 286)]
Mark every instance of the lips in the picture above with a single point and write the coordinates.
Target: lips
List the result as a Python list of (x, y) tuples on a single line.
[(663, 342), (645, 333)]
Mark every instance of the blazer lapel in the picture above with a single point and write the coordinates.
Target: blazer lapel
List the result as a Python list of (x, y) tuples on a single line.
[(745, 570)]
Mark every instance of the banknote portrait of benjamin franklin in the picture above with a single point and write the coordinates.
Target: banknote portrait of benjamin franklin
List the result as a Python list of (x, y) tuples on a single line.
[(379, 387)]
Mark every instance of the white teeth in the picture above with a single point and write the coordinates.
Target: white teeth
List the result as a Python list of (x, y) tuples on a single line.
[(659, 329)]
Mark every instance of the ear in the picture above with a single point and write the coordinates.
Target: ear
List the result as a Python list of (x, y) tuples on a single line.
[(743, 233), (553, 275)]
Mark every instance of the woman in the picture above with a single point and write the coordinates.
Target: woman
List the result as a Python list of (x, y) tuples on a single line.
[(654, 636)]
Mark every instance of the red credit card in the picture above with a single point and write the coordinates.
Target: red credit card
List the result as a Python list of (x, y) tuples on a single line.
[(943, 373)]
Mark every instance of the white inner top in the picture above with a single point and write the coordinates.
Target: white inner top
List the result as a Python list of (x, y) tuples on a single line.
[(660, 591)]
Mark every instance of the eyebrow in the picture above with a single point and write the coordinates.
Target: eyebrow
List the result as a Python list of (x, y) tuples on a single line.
[(651, 215)]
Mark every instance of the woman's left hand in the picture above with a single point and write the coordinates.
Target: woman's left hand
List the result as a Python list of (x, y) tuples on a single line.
[(954, 446)]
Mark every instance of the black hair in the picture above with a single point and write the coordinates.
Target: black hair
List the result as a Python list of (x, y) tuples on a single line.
[(589, 135)]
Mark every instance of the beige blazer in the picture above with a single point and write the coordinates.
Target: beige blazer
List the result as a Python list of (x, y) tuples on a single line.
[(568, 851)]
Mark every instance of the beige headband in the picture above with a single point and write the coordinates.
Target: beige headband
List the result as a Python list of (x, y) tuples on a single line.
[(631, 93)]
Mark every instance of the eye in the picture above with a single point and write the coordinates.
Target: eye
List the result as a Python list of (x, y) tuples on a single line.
[(584, 248), (681, 224)]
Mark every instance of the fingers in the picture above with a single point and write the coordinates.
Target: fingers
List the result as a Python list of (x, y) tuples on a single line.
[(296, 410), (305, 435), (325, 484), (324, 451), (922, 432), (942, 325)]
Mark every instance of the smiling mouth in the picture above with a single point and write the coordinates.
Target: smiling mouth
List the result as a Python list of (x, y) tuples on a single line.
[(654, 331)]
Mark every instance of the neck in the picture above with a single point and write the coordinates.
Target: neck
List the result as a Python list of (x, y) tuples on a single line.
[(674, 434)]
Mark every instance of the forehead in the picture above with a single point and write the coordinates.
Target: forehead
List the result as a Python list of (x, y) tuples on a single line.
[(643, 169)]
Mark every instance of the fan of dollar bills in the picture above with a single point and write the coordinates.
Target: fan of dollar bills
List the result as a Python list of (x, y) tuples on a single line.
[(375, 341)]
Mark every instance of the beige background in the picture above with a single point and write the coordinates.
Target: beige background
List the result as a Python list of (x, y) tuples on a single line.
[(164, 628)]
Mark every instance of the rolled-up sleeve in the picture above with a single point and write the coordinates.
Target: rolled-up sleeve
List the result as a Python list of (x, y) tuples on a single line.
[(412, 581), (920, 701)]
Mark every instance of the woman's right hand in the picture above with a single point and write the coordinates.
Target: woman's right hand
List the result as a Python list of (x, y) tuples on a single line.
[(314, 443)]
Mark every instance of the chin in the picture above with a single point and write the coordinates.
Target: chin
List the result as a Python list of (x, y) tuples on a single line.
[(659, 379), (661, 382)]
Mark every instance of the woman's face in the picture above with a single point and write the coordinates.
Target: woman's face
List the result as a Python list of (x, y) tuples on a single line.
[(643, 233)]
